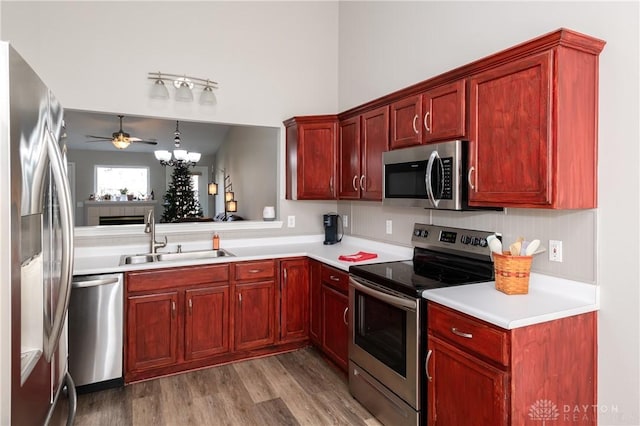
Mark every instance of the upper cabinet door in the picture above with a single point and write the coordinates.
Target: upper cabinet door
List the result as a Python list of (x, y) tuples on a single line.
[(311, 158), (510, 129), (443, 112), (349, 158), (406, 122), (375, 141)]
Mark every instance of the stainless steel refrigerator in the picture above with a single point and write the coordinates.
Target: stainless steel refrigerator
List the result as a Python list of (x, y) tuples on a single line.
[(36, 247)]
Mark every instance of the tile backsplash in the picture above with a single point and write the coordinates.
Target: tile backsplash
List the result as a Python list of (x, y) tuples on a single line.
[(575, 228)]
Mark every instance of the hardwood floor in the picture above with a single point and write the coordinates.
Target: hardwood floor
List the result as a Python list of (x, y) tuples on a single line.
[(295, 388)]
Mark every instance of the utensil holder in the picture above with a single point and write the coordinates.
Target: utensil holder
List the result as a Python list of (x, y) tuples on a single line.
[(512, 273)]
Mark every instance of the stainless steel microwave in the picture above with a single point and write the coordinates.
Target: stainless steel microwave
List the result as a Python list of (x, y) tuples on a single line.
[(429, 176)]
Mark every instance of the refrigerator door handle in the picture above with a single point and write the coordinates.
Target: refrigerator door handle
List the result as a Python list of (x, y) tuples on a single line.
[(66, 264)]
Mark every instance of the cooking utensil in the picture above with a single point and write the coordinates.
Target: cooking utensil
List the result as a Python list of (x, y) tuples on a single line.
[(494, 244), (515, 248), (532, 247), (523, 248)]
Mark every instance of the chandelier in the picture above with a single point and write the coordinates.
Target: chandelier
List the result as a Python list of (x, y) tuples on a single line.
[(179, 156)]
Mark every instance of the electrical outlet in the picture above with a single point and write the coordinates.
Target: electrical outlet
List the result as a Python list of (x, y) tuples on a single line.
[(345, 221), (389, 226), (555, 251), (291, 221)]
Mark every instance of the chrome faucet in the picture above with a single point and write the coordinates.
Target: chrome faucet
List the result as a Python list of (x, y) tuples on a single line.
[(150, 227)]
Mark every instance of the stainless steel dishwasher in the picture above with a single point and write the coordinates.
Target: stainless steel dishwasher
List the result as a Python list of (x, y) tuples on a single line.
[(95, 332)]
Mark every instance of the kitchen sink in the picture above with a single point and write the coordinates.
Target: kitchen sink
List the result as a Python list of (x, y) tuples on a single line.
[(169, 257)]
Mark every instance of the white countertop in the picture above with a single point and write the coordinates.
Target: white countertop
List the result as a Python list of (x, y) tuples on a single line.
[(100, 260), (549, 298)]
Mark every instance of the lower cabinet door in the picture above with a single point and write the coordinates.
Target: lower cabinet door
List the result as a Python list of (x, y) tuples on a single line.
[(463, 389), (152, 330), (206, 322), (254, 315), (335, 332), (294, 305)]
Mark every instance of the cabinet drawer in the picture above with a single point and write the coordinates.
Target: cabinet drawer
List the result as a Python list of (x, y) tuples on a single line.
[(159, 279), (469, 333), (253, 271), (335, 278)]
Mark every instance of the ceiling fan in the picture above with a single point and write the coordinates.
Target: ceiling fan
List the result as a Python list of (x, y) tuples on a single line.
[(121, 139)]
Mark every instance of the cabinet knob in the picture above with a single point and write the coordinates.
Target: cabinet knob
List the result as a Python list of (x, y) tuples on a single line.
[(354, 182), (334, 278), (362, 181), (331, 185), (173, 309), (344, 315), (415, 125), (190, 306)]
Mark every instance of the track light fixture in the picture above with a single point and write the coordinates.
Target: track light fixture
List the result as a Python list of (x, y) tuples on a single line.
[(184, 85)]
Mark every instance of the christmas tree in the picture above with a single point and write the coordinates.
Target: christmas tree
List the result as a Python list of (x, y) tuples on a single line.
[(180, 201)]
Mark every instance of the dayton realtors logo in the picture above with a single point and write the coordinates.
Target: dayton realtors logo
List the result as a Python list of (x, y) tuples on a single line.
[(544, 410)]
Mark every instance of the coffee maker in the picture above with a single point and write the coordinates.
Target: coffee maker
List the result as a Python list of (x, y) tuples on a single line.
[(330, 222)]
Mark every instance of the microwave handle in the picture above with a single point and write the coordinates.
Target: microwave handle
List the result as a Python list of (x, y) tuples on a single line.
[(427, 178)]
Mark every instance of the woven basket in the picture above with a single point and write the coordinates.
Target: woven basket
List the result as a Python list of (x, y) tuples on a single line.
[(512, 273)]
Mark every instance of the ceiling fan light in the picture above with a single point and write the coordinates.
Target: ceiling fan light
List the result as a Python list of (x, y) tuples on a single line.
[(159, 90), (121, 141), (207, 97), (162, 155), (183, 93)]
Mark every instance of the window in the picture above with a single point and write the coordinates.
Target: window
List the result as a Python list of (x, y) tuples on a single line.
[(111, 179)]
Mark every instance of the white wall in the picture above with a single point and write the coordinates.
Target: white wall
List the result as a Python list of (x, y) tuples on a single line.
[(385, 46), (271, 60)]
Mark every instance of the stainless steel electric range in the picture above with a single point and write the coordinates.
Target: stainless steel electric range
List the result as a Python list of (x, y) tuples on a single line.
[(388, 324)]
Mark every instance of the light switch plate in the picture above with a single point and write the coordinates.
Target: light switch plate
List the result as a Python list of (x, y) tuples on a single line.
[(389, 226), (291, 221)]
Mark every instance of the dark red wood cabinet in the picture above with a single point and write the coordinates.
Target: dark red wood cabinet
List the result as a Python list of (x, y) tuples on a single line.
[(437, 114), (206, 321), (311, 146), (152, 333), (254, 304), (362, 140), (476, 370), (174, 317), (294, 299), (329, 315), (533, 127)]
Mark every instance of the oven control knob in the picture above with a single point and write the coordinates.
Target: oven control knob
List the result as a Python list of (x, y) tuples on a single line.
[(416, 232), (424, 233), (465, 239), (483, 242), (475, 241)]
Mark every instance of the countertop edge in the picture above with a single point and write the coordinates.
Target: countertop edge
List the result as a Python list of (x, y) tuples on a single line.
[(549, 298), (252, 249)]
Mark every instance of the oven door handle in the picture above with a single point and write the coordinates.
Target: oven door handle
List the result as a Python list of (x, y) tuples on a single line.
[(398, 302)]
